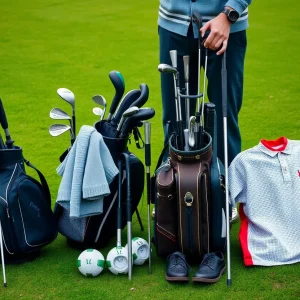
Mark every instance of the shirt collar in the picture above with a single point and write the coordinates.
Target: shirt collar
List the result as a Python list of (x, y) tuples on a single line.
[(272, 147)]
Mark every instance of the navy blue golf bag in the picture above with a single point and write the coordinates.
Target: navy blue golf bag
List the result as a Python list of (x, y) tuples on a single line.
[(99, 229), (27, 221)]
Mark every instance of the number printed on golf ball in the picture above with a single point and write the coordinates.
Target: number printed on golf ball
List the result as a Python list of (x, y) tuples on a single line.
[(90, 262), (140, 250), (117, 260)]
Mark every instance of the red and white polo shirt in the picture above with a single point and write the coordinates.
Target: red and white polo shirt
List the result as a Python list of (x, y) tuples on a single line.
[(265, 180)]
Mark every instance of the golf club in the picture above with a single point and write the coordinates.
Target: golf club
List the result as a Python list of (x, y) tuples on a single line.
[(142, 99), (118, 82), (173, 55), (98, 112), (186, 139), (59, 114), (128, 212), (141, 115), (2, 256), (126, 114), (100, 100), (192, 127), (197, 18), (186, 66), (58, 129), (224, 109), (2, 145), (69, 97), (4, 124), (201, 128), (117, 257), (147, 132), (127, 100), (165, 68)]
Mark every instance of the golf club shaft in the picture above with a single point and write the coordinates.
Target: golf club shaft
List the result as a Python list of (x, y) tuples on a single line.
[(2, 145), (147, 128), (128, 212), (4, 124), (2, 256)]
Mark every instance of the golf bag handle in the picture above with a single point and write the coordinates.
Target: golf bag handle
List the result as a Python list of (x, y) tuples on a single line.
[(42, 179)]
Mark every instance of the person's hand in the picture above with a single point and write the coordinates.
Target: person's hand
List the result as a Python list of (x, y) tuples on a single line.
[(219, 33)]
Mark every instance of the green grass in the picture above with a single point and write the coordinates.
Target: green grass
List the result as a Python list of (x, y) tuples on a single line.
[(49, 44)]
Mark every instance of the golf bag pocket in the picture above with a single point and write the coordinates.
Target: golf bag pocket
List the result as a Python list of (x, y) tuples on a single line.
[(27, 220), (165, 213), (192, 179)]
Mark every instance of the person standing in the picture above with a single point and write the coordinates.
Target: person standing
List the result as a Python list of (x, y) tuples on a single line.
[(224, 24)]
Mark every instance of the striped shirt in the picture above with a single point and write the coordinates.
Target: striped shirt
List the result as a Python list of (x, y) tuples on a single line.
[(175, 15), (266, 181)]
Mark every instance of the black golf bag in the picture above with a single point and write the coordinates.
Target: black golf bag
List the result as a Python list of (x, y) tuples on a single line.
[(99, 229), (188, 192), (27, 221)]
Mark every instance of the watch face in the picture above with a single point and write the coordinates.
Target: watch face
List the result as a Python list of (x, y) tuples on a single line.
[(233, 16)]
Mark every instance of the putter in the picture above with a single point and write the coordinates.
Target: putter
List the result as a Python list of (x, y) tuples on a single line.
[(147, 132), (2, 257), (3, 121), (127, 113), (59, 114), (128, 212), (98, 112), (100, 100), (224, 109), (186, 62), (118, 82), (119, 254), (69, 97), (186, 139)]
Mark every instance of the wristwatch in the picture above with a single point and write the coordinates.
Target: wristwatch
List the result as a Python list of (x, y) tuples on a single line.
[(231, 14)]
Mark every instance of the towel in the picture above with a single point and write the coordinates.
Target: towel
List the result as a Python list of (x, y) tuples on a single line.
[(86, 172)]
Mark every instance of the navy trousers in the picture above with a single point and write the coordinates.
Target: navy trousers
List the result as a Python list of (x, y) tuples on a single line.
[(235, 55)]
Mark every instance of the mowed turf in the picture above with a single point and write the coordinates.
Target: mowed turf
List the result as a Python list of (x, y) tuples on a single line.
[(45, 45)]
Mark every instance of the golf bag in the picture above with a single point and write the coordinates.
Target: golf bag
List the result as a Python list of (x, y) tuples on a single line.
[(99, 229), (27, 221), (189, 197)]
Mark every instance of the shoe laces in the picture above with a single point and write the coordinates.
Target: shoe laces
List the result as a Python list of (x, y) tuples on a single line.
[(177, 259), (206, 260)]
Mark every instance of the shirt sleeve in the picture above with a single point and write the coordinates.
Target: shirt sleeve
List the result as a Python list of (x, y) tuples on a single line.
[(237, 181), (238, 5)]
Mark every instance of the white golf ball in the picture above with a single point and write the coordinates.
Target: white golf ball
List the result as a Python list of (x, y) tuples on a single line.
[(90, 262)]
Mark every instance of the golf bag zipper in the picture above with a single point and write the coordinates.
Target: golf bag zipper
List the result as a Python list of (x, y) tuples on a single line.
[(188, 199)]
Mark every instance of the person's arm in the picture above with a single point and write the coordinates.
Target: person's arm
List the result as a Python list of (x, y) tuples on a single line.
[(220, 27)]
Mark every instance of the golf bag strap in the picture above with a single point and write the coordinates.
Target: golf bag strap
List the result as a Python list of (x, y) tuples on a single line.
[(137, 137), (42, 179)]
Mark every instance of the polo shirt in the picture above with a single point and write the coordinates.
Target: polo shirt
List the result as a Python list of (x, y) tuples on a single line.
[(265, 180)]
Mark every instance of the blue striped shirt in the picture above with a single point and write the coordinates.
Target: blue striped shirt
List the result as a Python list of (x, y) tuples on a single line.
[(175, 16)]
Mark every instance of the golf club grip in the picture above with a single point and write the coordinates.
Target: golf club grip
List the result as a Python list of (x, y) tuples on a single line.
[(143, 97), (209, 118), (180, 134), (147, 128), (224, 85), (132, 121), (128, 99), (118, 83), (3, 119)]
